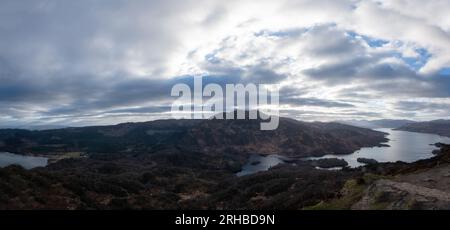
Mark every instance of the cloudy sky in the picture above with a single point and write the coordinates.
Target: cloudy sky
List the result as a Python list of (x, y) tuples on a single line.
[(101, 62)]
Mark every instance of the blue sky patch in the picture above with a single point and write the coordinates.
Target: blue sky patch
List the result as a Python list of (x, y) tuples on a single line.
[(417, 62), (282, 33), (445, 71), (372, 42)]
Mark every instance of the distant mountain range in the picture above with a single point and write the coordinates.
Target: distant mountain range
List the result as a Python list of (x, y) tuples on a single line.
[(34, 127), (440, 127), (377, 124), (292, 138)]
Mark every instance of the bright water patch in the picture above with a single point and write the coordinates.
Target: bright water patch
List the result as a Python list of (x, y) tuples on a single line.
[(403, 146), (27, 162)]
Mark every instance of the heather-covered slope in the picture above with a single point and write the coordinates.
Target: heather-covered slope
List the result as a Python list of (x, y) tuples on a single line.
[(293, 138)]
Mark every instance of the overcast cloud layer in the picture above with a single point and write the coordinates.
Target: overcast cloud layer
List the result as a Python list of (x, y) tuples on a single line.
[(101, 62)]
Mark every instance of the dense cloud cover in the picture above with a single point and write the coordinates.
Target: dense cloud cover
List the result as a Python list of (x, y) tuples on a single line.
[(100, 62)]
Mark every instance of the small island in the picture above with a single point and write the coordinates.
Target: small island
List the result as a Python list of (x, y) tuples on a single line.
[(367, 161), (329, 163)]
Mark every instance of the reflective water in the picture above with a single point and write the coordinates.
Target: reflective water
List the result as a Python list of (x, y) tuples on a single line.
[(259, 163), (27, 162), (403, 146)]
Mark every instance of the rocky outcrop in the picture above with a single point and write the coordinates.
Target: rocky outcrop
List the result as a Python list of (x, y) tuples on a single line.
[(389, 194), (423, 184)]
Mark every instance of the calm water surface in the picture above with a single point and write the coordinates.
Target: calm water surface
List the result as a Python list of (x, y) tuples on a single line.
[(259, 163), (27, 162), (403, 146)]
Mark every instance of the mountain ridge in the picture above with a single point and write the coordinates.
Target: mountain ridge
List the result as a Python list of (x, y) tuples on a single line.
[(292, 138), (439, 127), (376, 124)]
